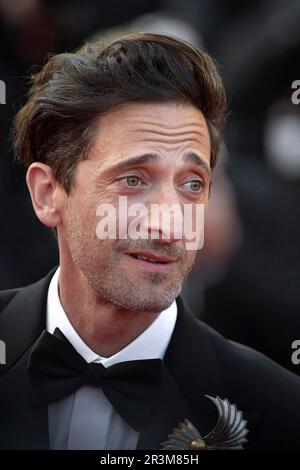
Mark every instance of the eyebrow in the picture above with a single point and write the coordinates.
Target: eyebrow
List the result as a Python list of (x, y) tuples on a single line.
[(197, 160), (151, 158)]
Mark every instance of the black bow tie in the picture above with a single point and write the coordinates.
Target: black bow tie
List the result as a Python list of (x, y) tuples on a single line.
[(56, 370)]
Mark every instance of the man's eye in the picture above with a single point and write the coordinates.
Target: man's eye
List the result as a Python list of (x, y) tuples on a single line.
[(132, 181), (195, 185)]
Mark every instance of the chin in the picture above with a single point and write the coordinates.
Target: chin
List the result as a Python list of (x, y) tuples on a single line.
[(149, 307), (150, 300)]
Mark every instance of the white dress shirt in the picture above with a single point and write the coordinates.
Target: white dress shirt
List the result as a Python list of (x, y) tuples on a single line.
[(86, 419)]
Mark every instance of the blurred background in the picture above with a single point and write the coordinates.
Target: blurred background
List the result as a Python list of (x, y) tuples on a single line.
[(246, 280)]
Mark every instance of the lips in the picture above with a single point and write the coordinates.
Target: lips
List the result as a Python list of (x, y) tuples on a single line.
[(147, 259), (151, 257), (151, 261)]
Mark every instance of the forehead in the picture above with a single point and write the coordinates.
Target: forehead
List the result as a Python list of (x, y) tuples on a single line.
[(162, 128)]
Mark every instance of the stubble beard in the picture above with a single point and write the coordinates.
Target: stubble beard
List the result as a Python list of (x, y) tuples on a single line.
[(151, 292), (107, 281)]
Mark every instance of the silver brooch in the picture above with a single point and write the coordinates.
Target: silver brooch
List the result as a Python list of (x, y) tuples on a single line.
[(229, 433)]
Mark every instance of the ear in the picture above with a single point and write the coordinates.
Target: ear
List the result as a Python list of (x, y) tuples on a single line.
[(45, 193)]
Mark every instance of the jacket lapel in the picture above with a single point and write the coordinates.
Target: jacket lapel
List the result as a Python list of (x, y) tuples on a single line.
[(172, 408), (190, 372), (23, 424)]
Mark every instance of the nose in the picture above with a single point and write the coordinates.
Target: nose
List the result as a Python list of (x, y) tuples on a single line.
[(165, 216)]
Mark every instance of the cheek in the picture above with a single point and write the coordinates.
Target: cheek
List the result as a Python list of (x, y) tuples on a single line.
[(101, 203), (80, 220), (190, 257), (84, 207)]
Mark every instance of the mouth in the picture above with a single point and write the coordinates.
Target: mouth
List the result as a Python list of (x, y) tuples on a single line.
[(151, 261)]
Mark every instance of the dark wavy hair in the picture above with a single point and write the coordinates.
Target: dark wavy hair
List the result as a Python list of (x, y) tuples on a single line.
[(56, 124)]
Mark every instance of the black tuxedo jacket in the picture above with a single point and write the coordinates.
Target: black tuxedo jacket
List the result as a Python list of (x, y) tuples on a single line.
[(198, 362)]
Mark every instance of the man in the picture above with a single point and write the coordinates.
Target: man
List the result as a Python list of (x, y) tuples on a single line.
[(102, 353)]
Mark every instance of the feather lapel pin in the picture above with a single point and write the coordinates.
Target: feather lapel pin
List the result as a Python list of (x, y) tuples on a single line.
[(229, 433)]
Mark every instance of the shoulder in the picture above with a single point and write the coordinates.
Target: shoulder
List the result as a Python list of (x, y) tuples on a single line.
[(22, 297), (258, 384), (241, 367), (246, 368), (250, 366), (6, 296)]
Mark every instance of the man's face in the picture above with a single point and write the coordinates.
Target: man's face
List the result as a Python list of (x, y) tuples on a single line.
[(152, 154)]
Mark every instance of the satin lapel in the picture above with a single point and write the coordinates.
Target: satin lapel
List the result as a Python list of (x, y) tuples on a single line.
[(23, 424), (191, 372), (171, 409)]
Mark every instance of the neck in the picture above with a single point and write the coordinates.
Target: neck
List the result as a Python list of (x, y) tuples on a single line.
[(105, 328)]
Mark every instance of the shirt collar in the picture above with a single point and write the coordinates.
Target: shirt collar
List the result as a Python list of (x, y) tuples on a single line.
[(151, 344)]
